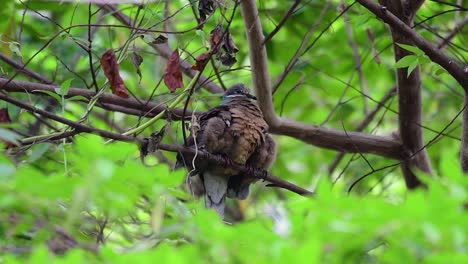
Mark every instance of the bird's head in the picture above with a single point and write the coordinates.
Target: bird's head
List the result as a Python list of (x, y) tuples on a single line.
[(237, 91)]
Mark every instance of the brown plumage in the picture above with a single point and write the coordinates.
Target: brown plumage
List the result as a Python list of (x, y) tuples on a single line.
[(235, 129), (262, 158)]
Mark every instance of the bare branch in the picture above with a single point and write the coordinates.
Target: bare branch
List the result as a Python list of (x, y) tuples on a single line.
[(77, 126), (319, 136), (464, 144), (300, 50), (351, 142), (259, 61), (108, 101), (356, 56), (409, 100), (283, 21), (322, 137), (19, 66)]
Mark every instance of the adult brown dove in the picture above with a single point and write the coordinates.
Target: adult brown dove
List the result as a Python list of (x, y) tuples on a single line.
[(236, 130)]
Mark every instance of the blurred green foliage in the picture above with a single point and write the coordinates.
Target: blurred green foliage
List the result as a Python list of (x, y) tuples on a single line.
[(76, 194), (146, 221)]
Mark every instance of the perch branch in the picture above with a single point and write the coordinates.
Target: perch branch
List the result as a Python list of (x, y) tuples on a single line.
[(319, 136), (79, 127)]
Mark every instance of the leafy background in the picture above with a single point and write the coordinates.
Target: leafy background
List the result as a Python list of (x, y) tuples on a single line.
[(85, 200)]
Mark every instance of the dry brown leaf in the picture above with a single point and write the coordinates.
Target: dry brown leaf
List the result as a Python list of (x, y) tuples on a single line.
[(173, 74), (110, 67), (4, 116), (223, 46), (201, 61)]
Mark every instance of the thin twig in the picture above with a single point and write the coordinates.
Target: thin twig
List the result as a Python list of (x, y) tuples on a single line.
[(282, 22), (432, 52)]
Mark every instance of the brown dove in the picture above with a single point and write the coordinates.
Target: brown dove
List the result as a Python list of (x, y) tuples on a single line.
[(236, 130)]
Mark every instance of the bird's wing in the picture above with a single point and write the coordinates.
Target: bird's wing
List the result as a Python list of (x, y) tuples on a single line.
[(248, 127), (205, 123), (262, 158)]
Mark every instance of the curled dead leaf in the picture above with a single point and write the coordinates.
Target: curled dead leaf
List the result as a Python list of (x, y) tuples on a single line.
[(110, 67), (4, 116), (160, 39), (223, 46), (137, 60), (201, 61), (173, 74), (8, 136), (206, 8)]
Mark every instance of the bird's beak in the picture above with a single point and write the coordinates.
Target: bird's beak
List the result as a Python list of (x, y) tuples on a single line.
[(251, 96)]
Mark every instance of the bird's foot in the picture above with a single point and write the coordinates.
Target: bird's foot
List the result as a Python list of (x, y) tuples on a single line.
[(256, 172), (224, 158)]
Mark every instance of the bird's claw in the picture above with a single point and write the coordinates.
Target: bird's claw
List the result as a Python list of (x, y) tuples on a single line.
[(256, 172), (224, 158)]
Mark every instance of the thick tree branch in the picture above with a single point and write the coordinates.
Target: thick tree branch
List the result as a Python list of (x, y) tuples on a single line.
[(458, 72), (319, 136), (409, 99), (351, 142), (322, 137), (108, 101), (464, 136), (328, 138), (77, 126), (259, 61), (24, 70)]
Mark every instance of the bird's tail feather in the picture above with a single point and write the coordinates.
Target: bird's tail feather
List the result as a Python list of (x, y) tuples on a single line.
[(238, 187), (215, 191)]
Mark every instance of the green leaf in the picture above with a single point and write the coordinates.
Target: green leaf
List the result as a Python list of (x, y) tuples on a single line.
[(406, 61), (37, 150), (9, 136), (63, 89), (363, 19), (6, 12), (78, 98), (15, 48), (49, 93), (412, 67), (424, 60), (439, 71), (6, 170), (201, 34), (413, 49)]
